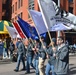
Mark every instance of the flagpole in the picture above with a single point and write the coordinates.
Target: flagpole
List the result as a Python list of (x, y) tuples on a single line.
[(59, 3), (36, 29), (59, 6)]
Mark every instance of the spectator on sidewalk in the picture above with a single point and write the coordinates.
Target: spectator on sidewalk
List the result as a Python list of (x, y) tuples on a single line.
[(4, 49), (1, 48), (8, 40), (11, 48)]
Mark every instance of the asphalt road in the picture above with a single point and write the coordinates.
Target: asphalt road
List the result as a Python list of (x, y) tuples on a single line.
[(7, 68)]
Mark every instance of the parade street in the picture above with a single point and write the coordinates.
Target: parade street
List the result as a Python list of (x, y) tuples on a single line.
[(8, 68)]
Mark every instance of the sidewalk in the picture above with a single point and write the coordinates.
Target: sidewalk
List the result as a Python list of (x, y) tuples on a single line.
[(5, 61)]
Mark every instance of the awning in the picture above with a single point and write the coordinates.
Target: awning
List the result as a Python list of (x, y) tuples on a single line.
[(3, 29)]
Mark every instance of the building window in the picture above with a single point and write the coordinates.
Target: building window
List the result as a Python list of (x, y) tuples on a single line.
[(31, 4), (15, 17), (16, 6), (12, 19), (21, 3), (70, 1), (71, 9), (3, 1), (13, 9), (20, 15), (18, 3)]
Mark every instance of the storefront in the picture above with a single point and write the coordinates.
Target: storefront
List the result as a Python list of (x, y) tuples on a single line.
[(70, 37)]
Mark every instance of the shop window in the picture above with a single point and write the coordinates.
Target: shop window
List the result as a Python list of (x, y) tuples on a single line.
[(70, 1), (31, 4), (71, 9)]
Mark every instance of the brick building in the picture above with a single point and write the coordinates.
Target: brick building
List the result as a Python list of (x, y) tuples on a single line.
[(10, 9), (5, 10), (5, 13), (1, 10), (19, 8)]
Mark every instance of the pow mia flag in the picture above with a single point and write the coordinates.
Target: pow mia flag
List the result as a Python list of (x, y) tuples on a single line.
[(63, 16)]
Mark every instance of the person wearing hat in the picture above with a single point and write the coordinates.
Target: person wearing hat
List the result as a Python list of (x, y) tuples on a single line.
[(51, 59)]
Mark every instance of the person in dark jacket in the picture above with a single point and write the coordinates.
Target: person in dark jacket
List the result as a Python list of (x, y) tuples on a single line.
[(42, 57), (11, 48), (8, 40), (21, 54), (51, 59), (29, 56), (62, 57), (36, 56), (1, 47)]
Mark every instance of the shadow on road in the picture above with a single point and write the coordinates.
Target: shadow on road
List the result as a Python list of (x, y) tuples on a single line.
[(29, 73), (72, 71), (71, 64)]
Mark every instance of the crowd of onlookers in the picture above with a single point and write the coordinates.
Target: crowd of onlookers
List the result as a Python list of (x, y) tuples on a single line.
[(6, 48)]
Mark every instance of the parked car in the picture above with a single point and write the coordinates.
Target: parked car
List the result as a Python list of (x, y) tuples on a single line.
[(72, 49)]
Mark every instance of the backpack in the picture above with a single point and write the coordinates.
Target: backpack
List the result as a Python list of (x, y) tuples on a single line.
[(12, 47)]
